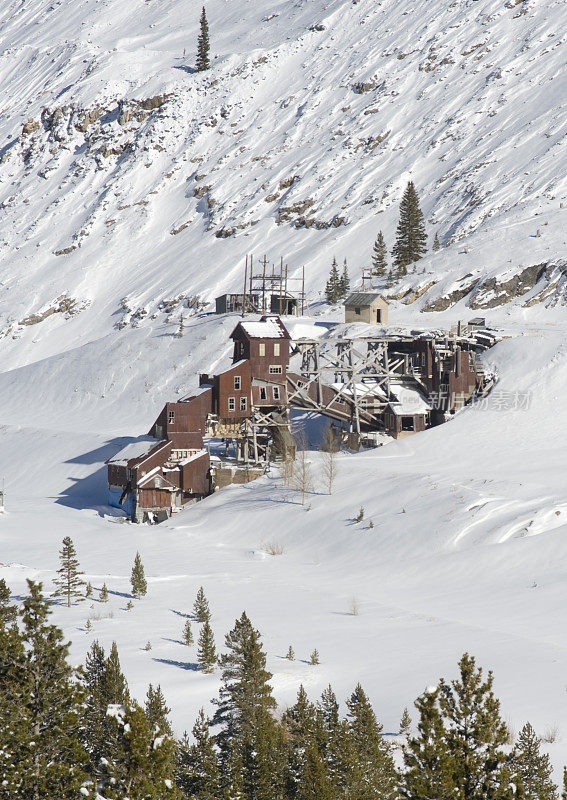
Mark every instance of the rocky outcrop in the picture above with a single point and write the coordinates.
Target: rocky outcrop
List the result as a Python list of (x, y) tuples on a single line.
[(446, 301), (493, 292)]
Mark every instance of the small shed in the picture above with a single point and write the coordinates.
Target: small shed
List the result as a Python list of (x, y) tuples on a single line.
[(476, 323), (227, 303), (367, 307), (283, 304)]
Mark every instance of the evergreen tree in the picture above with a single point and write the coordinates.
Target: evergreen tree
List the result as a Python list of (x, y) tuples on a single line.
[(307, 776), (201, 610), (140, 765), (373, 772), (206, 651), (333, 287), (436, 243), (8, 611), (103, 596), (157, 711), (198, 772), (405, 723), (290, 654), (249, 739), (138, 579), (181, 328), (203, 46), (411, 238), (564, 792), (475, 733), (105, 686), (379, 256), (46, 759), (314, 658), (187, 634), (69, 583), (336, 743), (429, 766), (344, 280), (531, 769), (89, 590)]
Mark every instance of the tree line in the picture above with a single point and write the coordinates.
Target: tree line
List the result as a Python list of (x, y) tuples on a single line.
[(70, 732), (409, 247)]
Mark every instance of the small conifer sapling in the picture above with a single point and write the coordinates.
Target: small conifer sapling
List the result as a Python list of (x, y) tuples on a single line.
[(187, 634), (138, 578), (290, 654), (69, 583), (103, 596), (206, 650), (201, 610), (314, 658)]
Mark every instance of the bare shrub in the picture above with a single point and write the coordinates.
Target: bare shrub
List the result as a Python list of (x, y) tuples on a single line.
[(354, 607), (273, 548), (302, 480), (329, 458), (551, 734)]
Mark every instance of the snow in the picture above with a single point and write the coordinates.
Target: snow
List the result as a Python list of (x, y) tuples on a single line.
[(269, 329), (410, 400), (141, 447), (469, 544)]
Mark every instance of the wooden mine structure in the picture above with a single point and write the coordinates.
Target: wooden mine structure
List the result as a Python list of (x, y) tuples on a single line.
[(268, 289), (396, 385)]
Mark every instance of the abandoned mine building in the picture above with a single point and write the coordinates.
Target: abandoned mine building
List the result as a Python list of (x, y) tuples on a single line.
[(392, 384), (368, 307)]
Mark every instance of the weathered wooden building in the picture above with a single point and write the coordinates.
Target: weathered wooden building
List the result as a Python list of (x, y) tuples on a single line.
[(368, 307)]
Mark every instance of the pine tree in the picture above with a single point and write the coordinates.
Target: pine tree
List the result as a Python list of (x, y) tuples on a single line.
[(373, 774), (187, 634), (307, 775), (531, 769), (335, 738), (198, 772), (45, 756), (249, 739), (333, 285), (8, 611), (69, 583), (181, 327), (475, 733), (405, 723), (206, 651), (436, 243), (411, 238), (344, 280), (103, 596), (314, 658), (157, 711), (89, 590), (379, 256), (290, 654), (141, 762), (429, 766), (201, 610), (203, 46), (564, 792), (138, 579)]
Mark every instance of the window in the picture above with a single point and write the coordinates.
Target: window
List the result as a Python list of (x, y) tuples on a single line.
[(262, 349), (275, 369), (231, 404), (407, 424), (277, 349), (243, 404), (357, 310), (276, 392), (237, 382), (262, 393), (171, 417)]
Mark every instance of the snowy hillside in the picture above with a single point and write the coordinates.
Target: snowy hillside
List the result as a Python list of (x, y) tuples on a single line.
[(129, 184)]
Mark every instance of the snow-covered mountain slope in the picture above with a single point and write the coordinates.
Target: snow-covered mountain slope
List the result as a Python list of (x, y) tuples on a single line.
[(119, 167), (123, 170)]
